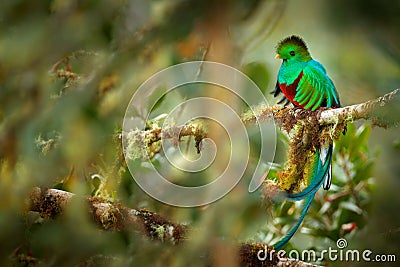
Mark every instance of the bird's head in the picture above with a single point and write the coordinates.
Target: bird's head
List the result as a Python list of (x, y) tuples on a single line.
[(292, 49)]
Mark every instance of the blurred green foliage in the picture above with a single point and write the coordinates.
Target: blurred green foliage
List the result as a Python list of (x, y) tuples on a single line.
[(69, 68)]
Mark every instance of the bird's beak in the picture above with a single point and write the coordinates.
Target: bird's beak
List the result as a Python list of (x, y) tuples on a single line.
[(277, 56)]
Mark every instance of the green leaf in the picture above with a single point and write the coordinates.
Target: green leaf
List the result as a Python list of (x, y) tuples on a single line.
[(360, 140)]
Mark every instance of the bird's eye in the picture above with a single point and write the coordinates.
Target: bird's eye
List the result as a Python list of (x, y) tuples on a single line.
[(292, 53)]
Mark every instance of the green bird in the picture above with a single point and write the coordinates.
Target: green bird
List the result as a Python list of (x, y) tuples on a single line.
[(304, 83)]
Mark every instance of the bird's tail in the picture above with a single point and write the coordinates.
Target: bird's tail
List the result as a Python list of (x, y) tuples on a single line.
[(289, 235), (322, 173), (321, 169), (328, 152)]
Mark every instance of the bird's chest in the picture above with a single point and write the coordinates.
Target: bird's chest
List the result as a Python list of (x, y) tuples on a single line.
[(288, 80), (289, 73)]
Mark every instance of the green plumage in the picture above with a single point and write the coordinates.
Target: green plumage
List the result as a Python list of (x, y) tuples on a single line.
[(304, 83), (303, 80)]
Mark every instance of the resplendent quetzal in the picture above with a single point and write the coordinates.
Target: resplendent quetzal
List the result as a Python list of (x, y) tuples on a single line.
[(304, 83)]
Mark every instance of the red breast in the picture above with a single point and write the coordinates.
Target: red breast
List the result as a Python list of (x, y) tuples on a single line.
[(290, 90)]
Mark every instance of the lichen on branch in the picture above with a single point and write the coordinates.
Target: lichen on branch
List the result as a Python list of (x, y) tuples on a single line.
[(147, 143), (379, 111), (110, 216)]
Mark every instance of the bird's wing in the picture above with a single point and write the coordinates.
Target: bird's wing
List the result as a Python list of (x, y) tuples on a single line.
[(315, 88)]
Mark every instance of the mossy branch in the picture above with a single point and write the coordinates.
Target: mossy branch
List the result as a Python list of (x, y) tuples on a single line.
[(112, 216), (146, 144), (109, 215), (379, 111)]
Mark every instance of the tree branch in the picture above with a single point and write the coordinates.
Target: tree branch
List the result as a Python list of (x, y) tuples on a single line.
[(379, 111), (368, 110), (376, 110), (109, 215), (113, 216)]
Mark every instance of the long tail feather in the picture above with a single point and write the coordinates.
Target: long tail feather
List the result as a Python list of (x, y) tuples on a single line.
[(328, 178), (289, 235), (320, 172)]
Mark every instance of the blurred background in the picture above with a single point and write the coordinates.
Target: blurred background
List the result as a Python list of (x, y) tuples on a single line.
[(69, 68)]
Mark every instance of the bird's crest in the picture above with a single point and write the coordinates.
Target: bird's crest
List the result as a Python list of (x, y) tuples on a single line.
[(295, 40)]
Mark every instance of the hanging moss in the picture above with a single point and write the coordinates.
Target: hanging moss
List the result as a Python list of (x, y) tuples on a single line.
[(306, 137)]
